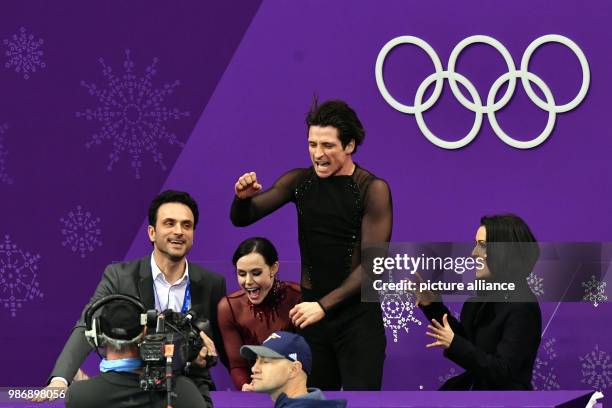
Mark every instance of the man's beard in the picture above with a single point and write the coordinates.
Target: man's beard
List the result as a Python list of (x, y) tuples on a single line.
[(174, 257)]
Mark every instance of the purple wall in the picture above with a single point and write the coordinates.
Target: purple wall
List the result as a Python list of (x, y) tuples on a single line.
[(220, 90)]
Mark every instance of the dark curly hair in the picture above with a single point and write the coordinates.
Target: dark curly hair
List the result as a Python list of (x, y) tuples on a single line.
[(338, 114)]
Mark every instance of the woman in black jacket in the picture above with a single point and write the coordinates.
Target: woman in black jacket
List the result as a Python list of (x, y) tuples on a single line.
[(497, 337)]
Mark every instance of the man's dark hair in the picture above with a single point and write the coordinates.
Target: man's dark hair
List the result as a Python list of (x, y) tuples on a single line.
[(120, 320), (338, 114), (260, 245), (171, 196), (512, 249)]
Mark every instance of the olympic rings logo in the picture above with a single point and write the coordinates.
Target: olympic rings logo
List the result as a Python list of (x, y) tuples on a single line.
[(475, 105)]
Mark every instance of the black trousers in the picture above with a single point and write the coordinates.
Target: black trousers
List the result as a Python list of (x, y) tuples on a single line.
[(348, 349)]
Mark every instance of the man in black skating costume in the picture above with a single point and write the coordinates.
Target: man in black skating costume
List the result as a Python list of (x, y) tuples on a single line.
[(341, 208)]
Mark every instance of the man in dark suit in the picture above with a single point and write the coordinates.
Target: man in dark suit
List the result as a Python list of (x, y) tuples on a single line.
[(162, 280)]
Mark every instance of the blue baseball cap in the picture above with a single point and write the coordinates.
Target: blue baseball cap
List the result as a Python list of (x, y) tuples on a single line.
[(281, 344)]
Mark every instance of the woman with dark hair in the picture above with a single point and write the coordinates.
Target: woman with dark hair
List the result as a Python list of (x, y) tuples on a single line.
[(260, 308), (497, 337)]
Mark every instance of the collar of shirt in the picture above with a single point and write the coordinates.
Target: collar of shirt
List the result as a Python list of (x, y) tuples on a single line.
[(157, 273), (169, 296)]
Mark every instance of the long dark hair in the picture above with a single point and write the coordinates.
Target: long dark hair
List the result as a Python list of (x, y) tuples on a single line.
[(260, 245), (512, 249)]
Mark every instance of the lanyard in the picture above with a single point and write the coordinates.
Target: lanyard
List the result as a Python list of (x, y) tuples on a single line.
[(186, 298)]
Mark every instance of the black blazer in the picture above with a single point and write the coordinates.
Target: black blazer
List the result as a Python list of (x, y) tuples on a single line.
[(112, 389), (495, 342), (136, 279)]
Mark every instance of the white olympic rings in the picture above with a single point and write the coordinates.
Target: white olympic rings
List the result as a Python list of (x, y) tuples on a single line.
[(476, 106)]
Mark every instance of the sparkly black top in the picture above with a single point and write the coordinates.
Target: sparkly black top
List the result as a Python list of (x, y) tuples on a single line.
[(337, 216)]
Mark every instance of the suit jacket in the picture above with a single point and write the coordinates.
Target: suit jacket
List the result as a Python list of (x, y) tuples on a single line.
[(136, 279), (112, 389), (495, 342)]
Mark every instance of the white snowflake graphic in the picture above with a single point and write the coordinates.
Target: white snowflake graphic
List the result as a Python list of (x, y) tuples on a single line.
[(398, 312), (451, 373), (18, 276), (536, 284), (544, 376), (597, 369), (4, 177), (549, 348), (132, 114), (594, 291), (24, 53), (81, 232)]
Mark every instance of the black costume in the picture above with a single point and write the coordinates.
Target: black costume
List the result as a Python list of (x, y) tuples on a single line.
[(337, 216), (113, 389), (496, 342)]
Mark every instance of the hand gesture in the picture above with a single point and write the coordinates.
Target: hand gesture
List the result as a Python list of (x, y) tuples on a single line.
[(51, 391), (443, 334), (247, 387), (247, 186), (208, 349), (306, 313)]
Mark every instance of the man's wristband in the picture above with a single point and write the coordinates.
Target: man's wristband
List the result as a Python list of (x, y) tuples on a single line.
[(322, 307)]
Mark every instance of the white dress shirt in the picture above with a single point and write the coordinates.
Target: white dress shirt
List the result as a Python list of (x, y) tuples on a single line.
[(168, 296)]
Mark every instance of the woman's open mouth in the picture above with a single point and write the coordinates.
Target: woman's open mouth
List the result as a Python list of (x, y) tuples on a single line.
[(253, 293)]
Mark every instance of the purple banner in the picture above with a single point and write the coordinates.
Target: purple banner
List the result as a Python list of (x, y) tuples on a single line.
[(105, 104)]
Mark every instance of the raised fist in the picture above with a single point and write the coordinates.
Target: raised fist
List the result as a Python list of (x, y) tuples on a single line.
[(247, 186)]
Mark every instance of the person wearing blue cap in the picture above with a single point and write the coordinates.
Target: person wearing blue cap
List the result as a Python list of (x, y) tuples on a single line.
[(281, 369)]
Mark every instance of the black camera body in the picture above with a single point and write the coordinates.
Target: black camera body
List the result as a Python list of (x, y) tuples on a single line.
[(173, 343)]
